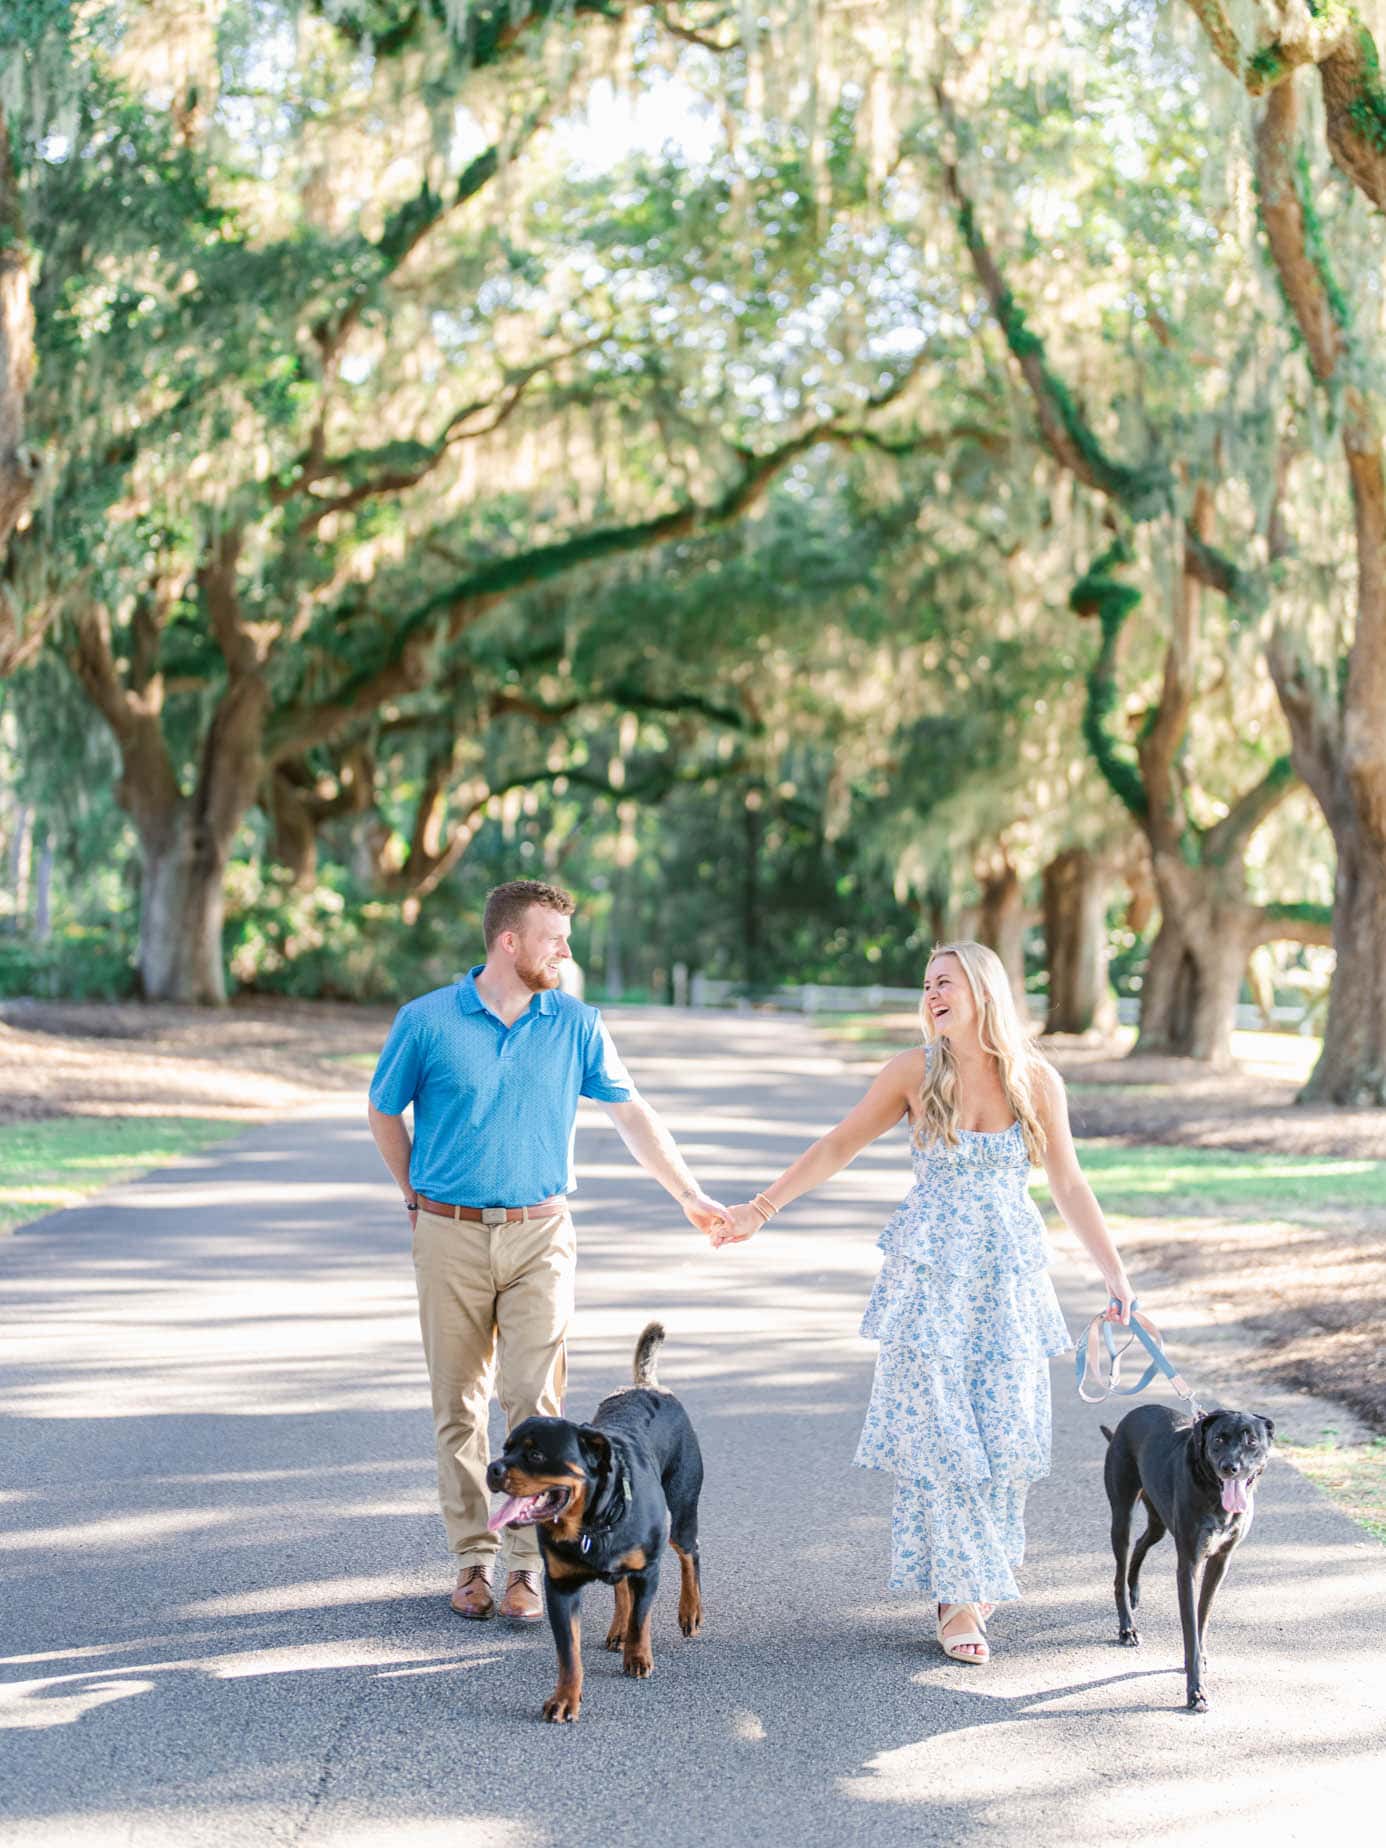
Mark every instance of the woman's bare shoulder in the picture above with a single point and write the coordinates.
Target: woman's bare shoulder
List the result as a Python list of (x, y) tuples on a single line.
[(1046, 1084), (906, 1069)]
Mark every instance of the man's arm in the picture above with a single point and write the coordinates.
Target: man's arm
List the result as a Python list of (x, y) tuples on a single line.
[(392, 1139), (657, 1152)]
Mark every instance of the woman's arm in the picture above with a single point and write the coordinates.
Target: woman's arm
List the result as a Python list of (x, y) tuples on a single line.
[(1072, 1195), (884, 1104)]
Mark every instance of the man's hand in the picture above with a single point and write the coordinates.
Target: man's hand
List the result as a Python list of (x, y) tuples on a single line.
[(742, 1222), (707, 1215)]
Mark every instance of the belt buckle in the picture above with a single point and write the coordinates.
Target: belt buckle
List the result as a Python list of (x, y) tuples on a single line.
[(495, 1215)]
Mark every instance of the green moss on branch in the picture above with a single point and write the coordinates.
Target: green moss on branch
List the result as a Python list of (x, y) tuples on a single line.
[(1143, 493), (1099, 592)]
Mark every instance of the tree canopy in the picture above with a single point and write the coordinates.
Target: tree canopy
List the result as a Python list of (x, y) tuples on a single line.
[(827, 460)]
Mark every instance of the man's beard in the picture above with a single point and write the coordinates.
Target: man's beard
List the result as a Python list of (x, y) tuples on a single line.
[(537, 977)]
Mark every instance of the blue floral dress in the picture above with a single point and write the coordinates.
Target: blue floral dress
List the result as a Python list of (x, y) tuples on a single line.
[(967, 1321)]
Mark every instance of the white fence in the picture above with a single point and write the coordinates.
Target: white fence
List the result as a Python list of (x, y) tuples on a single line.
[(1291, 1018), (804, 998)]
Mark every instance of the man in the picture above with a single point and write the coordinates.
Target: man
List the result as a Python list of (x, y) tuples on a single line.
[(494, 1066)]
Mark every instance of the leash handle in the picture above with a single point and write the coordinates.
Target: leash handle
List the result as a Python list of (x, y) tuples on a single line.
[(1088, 1360)]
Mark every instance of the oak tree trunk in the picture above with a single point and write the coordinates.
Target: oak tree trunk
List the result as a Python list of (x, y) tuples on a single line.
[(1193, 977), (1075, 930), (293, 840), (1352, 1066), (1001, 925), (17, 466), (1161, 987), (181, 910), (43, 893)]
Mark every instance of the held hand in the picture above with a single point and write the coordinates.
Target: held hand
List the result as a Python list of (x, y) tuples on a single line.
[(707, 1215), (1121, 1298), (741, 1223)]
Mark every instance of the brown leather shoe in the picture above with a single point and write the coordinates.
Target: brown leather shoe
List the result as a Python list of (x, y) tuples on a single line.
[(472, 1595), (521, 1601)]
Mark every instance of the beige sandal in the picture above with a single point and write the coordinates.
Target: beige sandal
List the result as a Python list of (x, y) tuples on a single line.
[(952, 1646)]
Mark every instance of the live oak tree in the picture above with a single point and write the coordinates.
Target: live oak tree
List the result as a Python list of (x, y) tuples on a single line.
[(292, 427), (34, 37), (1336, 708), (17, 466), (390, 455), (1209, 921)]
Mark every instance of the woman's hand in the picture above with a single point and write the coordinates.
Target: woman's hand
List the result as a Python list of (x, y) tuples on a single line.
[(1122, 1297), (738, 1224)]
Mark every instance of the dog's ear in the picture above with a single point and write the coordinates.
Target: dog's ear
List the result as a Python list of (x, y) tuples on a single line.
[(1269, 1423), (1198, 1439), (594, 1445)]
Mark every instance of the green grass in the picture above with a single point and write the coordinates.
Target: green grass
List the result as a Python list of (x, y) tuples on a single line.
[(1223, 1182), (1080, 1089), (1353, 1475), (49, 1165)]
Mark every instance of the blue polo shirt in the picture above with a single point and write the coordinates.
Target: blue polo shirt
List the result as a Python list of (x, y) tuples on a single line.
[(495, 1107)]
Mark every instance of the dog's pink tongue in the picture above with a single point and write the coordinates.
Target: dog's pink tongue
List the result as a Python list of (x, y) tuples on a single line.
[(513, 1505), (1234, 1496)]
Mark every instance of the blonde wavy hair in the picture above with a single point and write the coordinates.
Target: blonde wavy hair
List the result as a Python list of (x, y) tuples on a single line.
[(1002, 1035)]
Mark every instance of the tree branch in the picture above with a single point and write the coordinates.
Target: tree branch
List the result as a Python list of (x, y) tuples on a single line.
[(1227, 839), (403, 232), (1334, 39), (424, 457), (446, 614), (1141, 491), (1295, 924), (1323, 315), (1311, 712), (18, 465), (148, 789), (690, 34), (485, 33)]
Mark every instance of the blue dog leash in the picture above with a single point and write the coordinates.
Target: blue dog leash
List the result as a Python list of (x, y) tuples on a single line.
[(1088, 1361)]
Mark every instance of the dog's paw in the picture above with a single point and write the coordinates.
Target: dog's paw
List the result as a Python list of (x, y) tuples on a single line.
[(615, 1637), (639, 1664), (1129, 1639), (691, 1622), (1198, 1701), (562, 1707)]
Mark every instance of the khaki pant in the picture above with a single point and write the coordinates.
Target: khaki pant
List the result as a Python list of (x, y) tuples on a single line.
[(488, 1295)]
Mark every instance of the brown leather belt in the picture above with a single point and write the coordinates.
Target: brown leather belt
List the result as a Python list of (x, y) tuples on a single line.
[(495, 1215)]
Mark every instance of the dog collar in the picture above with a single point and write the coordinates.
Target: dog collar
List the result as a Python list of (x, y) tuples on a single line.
[(616, 1513)]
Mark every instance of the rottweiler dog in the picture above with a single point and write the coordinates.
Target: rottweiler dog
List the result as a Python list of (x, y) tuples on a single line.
[(1197, 1480), (605, 1497)]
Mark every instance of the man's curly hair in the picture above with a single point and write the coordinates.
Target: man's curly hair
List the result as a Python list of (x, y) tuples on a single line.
[(507, 904)]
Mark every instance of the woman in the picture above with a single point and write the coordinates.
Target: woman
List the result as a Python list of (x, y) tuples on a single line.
[(964, 1310)]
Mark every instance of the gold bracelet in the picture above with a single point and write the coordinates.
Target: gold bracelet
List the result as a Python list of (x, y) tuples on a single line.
[(766, 1208)]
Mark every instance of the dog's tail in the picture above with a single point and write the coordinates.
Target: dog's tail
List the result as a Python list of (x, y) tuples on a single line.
[(646, 1350), (1109, 1435)]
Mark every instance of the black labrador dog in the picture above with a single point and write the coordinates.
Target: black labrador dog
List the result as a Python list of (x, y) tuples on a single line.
[(606, 1497), (1197, 1481)]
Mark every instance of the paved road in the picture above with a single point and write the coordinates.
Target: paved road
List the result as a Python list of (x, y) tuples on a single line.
[(224, 1616)]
